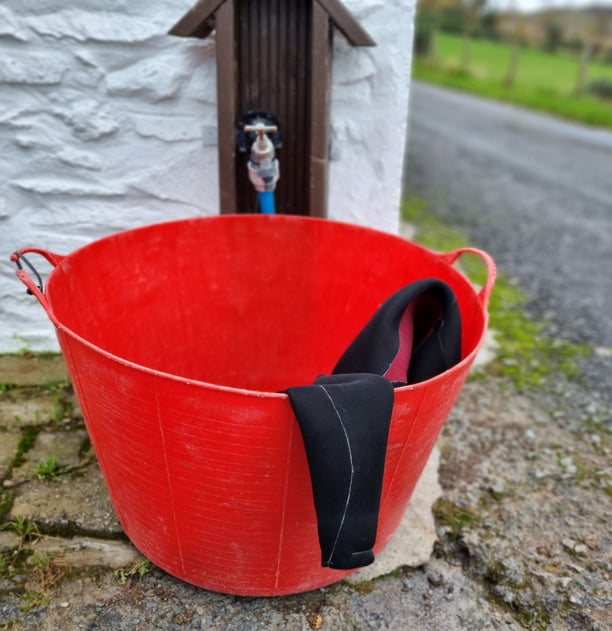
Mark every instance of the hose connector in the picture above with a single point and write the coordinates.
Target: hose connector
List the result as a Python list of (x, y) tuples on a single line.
[(264, 168)]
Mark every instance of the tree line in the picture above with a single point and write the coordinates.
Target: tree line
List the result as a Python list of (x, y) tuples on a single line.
[(586, 33)]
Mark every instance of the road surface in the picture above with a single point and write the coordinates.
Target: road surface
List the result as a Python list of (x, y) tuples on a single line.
[(534, 191)]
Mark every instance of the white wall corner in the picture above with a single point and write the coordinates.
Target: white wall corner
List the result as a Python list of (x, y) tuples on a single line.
[(107, 123), (370, 96)]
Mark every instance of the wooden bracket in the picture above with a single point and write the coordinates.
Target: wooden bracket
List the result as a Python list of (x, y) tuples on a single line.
[(276, 56)]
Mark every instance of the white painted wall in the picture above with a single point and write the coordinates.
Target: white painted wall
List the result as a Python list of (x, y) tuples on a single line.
[(107, 123)]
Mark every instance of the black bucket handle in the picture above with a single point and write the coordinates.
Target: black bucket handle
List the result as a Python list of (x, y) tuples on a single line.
[(35, 288)]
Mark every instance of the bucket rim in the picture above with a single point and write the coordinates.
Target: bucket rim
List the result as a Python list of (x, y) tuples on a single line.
[(258, 394), (447, 258)]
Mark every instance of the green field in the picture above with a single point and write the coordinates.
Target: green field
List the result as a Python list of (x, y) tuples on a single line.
[(544, 81)]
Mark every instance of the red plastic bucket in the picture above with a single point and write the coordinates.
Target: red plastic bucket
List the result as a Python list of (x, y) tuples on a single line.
[(178, 337)]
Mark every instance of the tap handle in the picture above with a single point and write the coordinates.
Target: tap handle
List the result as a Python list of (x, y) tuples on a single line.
[(253, 126), (260, 129)]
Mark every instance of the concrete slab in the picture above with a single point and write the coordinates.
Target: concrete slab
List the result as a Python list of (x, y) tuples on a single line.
[(16, 413), (8, 540), (413, 541), (76, 502), (8, 448), (84, 552), (65, 447), (31, 370)]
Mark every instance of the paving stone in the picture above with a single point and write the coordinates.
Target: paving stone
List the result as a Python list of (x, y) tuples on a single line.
[(37, 410), (8, 449), (65, 447), (82, 552), (8, 540), (77, 502), (32, 370)]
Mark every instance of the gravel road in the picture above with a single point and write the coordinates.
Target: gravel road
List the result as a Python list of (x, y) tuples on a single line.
[(535, 192)]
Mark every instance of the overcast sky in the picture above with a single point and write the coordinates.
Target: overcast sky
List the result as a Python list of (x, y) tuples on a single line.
[(531, 5)]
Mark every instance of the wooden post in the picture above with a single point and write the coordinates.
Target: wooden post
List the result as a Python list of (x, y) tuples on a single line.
[(319, 114), (275, 55), (226, 106)]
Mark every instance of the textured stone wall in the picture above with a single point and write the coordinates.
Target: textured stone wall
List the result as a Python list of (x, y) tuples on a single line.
[(369, 115), (107, 123)]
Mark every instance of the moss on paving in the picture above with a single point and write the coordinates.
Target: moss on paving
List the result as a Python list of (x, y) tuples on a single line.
[(525, 353), (526, 356)]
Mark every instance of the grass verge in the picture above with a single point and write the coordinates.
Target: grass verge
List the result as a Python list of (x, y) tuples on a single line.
[(544, 82), (525, 354)]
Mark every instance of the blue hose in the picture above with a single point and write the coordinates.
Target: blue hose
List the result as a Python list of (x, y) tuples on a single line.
[(266, 203)]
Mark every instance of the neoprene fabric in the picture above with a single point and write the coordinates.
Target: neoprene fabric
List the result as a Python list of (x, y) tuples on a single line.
[(344, 418)]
